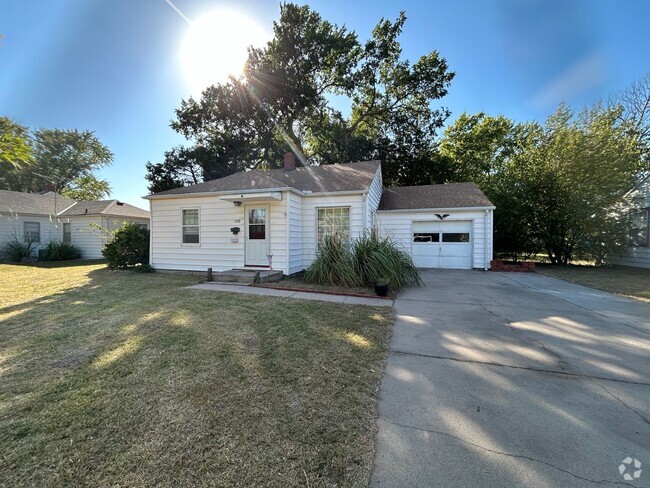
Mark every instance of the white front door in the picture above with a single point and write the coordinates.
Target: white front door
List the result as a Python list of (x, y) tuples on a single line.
[(442, 244), (257, 236)]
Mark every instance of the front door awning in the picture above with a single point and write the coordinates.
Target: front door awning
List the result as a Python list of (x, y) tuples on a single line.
[(252, 197)]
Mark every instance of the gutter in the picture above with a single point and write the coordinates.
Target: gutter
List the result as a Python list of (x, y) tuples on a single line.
[(439, 209), (302, 193)]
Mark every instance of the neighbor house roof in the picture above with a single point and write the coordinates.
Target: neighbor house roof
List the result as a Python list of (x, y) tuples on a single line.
[(44, 204), (325, 178), (450, 195), (33, 203), (105, 207)]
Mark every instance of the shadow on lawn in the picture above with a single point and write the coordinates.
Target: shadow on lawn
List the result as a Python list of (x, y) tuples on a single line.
[(133, 379)]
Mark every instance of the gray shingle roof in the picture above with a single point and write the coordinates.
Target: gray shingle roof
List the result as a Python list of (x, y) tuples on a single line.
[(33, 203), (105, 207), (325, 178), (450, 195), (44, 204)]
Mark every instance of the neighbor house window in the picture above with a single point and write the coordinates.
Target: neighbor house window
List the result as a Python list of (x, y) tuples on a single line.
[(333, 221), (32, 232), (639, 228), (191, 226), (67, 233)]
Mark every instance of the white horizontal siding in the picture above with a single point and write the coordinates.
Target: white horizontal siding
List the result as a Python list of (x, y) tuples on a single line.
[(636, 256), (294, 222), (13, 226), (86, 230), (216, 249), (309, 218), (399, 225), (374, 196)]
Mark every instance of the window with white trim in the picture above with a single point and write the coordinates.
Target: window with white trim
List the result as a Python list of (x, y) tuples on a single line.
[(32, 232), (67, 232), (333, 221), (190, 226)]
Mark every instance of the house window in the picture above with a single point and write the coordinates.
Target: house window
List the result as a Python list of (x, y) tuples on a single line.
[(333, 221), (67, 233), (639, 228), (191, 226), (257, 224), (32, 232)]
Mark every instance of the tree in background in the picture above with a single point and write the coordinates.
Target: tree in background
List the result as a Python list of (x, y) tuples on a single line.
[(282, 103), (15, 150), (635, 101), (181, 167), (558, 187), (68, 157)]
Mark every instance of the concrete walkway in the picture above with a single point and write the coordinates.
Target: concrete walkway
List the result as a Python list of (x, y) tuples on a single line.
[(275, 292), (506, 379)]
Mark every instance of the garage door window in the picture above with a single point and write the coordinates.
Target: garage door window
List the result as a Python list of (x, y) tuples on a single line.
[(455, 237), (426, 237)]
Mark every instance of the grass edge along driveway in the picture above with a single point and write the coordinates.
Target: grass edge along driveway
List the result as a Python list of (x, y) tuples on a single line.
[(117, 378)]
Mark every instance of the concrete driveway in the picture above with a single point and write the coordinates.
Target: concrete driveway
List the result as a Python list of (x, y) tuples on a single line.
[(507, 379)]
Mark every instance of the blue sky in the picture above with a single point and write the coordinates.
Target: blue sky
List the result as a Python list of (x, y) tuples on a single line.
[(114, 66)]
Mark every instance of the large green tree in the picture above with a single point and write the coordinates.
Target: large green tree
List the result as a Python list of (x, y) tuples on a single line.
[(15, 149), (559, 187), (67, 158), (283, 102)]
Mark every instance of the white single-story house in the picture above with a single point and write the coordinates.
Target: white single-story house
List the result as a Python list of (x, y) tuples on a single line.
[(637, 251), (277, 218), (45, 217)]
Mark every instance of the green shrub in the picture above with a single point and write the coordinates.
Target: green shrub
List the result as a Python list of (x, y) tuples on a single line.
[(60, 251), (15, 249), (380, 259), (333, 264), (371, 259), (144, 268), (128, 247)]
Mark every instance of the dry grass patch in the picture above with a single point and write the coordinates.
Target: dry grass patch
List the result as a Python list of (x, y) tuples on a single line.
[(124, 379), (622, 280)]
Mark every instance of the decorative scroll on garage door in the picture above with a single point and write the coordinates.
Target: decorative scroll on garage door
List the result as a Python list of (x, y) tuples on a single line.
[(443, 244)]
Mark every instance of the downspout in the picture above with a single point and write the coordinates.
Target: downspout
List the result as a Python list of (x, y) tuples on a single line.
[(485, 241)]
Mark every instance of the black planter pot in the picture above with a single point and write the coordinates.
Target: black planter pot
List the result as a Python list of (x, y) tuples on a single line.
[(381, 290)]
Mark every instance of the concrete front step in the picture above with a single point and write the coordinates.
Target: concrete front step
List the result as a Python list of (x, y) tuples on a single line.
[(246, 276)]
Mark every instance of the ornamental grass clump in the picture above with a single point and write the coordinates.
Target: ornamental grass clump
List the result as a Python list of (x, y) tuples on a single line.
[(380, 259), (333, 264), (369, 260)]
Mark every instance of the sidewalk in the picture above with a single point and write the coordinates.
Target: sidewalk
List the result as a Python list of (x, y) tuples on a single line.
[(300, 295)]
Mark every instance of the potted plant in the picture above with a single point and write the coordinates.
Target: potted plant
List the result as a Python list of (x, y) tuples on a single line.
[(381, 286)]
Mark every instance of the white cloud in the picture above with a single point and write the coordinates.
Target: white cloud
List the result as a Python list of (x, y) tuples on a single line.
[(587, 73)]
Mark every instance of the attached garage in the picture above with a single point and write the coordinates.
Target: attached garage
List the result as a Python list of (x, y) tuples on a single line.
[(441, 226), (443, 244)]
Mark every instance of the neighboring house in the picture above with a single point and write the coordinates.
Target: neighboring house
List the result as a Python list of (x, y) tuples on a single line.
[(45, 217), (637, 251), (278, 217)]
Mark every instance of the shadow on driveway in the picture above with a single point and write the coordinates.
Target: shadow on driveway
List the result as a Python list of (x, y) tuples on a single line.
[(501, 379)]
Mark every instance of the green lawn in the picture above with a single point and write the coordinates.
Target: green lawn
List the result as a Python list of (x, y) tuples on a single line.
[(112, 378), (622, 280)]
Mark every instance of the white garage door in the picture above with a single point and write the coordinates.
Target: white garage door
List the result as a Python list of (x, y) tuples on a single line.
[(443, 244)]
